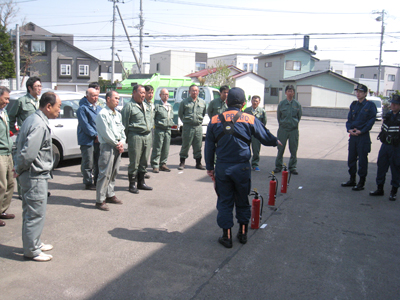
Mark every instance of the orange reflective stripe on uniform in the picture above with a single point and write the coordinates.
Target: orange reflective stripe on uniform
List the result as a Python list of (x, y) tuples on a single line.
[(245, 117)]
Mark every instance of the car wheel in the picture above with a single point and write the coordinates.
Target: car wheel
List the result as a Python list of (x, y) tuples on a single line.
[(56, 156)]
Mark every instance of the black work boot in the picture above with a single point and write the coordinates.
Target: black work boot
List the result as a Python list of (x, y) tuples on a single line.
[(182, 164), (242, 233), (141, 184), (393, 194), (226, 238), (199, 165), (351, 182), (360, 185), (132, 186), (378, 192)]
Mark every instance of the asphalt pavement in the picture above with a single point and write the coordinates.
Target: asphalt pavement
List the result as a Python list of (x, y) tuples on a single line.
[(320, 241)]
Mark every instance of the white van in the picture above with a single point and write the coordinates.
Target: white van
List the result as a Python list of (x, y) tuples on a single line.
[(378, 103), (206, 93)]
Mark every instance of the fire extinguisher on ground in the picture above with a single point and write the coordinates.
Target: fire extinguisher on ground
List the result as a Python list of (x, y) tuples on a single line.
[(256, 209), (273, 188), (285, 181)]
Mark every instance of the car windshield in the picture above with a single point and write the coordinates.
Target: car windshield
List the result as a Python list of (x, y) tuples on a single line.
[(377, 103), (69, 108)]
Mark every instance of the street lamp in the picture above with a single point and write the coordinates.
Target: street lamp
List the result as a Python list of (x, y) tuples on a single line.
[(380, 19)]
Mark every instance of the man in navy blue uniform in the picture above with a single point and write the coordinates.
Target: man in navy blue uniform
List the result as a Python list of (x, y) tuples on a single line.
[(389, 154), (232, 173), (360, 120)]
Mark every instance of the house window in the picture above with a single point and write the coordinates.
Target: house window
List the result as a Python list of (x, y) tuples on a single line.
[(83, 70), (256, 68), (200, 66), (251, 67), (65, 70), (38, 46), (158, 67), (274, 91), (245, 67), (391, 77), (268, 64), (375, 76), (293, 65)]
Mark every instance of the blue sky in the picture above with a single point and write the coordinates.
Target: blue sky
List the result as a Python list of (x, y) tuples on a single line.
[(90, 22)]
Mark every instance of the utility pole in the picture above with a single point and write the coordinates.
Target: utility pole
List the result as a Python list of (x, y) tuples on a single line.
[(113, 42), (129, 40), (380, 19), (141, 25), (17, 57)]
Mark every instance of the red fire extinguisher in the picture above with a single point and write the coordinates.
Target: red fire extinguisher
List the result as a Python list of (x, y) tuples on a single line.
[(256, 210), (284, 180), (273, 187)]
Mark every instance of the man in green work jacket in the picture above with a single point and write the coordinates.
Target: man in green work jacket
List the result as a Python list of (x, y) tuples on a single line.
[(25, 106), (289, 114), (191, 112), (163, 120), (6, 162), (136, 118), (218, 105), (260, 114)]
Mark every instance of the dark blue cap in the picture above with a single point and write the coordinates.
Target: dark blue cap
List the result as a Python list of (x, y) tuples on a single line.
[(395, 99), (236, 96), (361, 87)]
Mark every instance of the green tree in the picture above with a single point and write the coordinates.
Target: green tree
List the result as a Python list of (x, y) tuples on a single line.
[(220, 77), (7, 66)]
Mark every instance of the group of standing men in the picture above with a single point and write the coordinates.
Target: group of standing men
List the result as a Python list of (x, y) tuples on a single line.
[(360, 120)]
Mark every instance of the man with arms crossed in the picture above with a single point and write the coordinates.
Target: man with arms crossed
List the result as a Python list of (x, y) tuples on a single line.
[(33, 165), (112, 138), (87, 138)]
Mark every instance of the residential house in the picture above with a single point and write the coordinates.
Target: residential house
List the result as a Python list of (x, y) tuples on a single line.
[(281, 65), (337, 66), (58, 63), (177, 63), (389, 81), (251, 83), (245, 62)]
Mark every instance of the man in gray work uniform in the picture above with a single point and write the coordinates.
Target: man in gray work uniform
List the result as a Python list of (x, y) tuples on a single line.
[(163, 119), (191, 112), (112, 138), (136, 118), (33, 164)]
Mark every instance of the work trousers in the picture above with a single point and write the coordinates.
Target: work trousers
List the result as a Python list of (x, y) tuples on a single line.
[(232, 184), (359, 147), (191, 136), (255, 149), (6, 182), (161, 143), (389, 156), (109, 161), (34, 202), (139, 147), (90, 163), (293, 137), (14, 154)]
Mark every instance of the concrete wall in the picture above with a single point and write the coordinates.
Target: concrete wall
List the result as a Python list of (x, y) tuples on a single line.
[(174, 63), (325, 112), (252, 85), (322, 97)]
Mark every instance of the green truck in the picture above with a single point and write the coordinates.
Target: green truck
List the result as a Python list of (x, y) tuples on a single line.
[(155, 80)]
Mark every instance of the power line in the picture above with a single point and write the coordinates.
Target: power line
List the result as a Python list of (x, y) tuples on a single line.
[(256, 9)]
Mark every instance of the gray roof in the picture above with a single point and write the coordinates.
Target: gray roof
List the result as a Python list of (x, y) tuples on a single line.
[(316, 73), (285, 52)]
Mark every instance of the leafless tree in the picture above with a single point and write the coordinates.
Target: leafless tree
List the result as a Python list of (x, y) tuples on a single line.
[(8, 11)]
